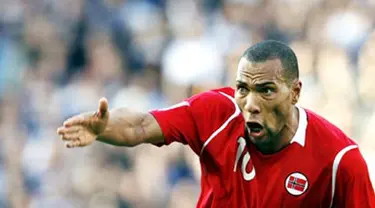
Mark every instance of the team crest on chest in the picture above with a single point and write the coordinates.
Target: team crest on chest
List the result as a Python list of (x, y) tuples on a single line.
[(296, 183)]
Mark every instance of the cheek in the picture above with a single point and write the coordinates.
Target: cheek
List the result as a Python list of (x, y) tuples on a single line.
[(280, 113), (276, 118), (240, 102)]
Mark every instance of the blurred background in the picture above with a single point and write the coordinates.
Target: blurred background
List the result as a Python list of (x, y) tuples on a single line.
[(58, 57)]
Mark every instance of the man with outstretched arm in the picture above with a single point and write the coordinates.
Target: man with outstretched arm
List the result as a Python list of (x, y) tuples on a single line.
[(257, 148)]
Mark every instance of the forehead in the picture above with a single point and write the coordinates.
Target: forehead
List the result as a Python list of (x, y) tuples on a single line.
[(270, 70)]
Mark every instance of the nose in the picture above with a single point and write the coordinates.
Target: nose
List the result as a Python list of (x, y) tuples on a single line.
[(251, 105)]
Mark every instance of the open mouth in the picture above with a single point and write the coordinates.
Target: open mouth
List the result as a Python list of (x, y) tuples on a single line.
[(255, 128)]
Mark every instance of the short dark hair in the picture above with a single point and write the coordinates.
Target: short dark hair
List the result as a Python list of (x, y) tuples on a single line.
[(272, 49)]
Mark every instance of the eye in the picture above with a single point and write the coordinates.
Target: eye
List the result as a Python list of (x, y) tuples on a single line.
[(267, 91), (242, 90)]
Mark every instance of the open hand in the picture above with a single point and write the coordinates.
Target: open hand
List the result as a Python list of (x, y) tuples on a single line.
[(83, 129)]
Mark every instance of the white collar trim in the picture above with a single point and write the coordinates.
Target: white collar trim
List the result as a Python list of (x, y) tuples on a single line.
[(300, 135)]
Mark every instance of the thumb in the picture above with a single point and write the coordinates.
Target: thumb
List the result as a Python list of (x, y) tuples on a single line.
[(103, 108)]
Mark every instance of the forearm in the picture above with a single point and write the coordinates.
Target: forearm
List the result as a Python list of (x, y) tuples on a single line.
[(128, 128)]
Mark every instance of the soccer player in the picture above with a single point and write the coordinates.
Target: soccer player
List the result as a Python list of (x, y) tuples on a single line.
[(256, 147)]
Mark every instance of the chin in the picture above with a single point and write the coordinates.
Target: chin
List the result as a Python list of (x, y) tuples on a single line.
[(259, 140)]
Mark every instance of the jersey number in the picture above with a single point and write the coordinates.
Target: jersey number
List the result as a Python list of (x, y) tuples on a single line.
[(245, 160)]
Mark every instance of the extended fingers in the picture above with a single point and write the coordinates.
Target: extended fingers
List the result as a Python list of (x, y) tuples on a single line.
[(71, 136), (69, 133), (68, 130), (78, 142), (76, 131), (77, 137), (75, 120), (72, 144)]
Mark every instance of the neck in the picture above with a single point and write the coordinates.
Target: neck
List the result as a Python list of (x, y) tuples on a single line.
[(281, 140), (290, 128)]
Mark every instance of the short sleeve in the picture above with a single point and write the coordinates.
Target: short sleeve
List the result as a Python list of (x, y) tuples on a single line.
[(193, 120), (178, 123), (353, 184)]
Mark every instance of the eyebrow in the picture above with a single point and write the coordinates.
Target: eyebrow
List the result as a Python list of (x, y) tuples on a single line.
[(262, 84), (238, 82), (259, 84)]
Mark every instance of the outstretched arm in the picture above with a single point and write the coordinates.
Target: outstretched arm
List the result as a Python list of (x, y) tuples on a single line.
[(189, 122), (127, 128), (121, 127)]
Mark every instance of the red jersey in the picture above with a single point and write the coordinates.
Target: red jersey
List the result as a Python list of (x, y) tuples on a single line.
[(321, 167)]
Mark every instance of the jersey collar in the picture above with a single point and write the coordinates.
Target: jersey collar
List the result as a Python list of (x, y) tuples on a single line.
[(300, 135)]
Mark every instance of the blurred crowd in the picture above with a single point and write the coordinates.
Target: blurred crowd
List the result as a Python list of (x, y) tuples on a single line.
[(58, 57)]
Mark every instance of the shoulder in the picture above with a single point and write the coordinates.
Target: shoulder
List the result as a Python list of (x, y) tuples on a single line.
[(326, 134), (351, 183), (331, 140), (224, 94), (226, 90), (213, 112), (212, 109), (214, 100), (328, 143), (351, 162)]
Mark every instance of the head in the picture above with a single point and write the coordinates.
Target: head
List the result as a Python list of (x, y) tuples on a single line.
[(267, 89)]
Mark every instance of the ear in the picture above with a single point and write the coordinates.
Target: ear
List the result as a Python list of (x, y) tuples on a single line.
[(296, 91)]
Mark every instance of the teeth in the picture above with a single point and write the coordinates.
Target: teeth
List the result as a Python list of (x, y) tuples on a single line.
[(255, 129)]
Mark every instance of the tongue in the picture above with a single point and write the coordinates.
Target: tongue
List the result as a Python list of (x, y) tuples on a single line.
[(256, 132)]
